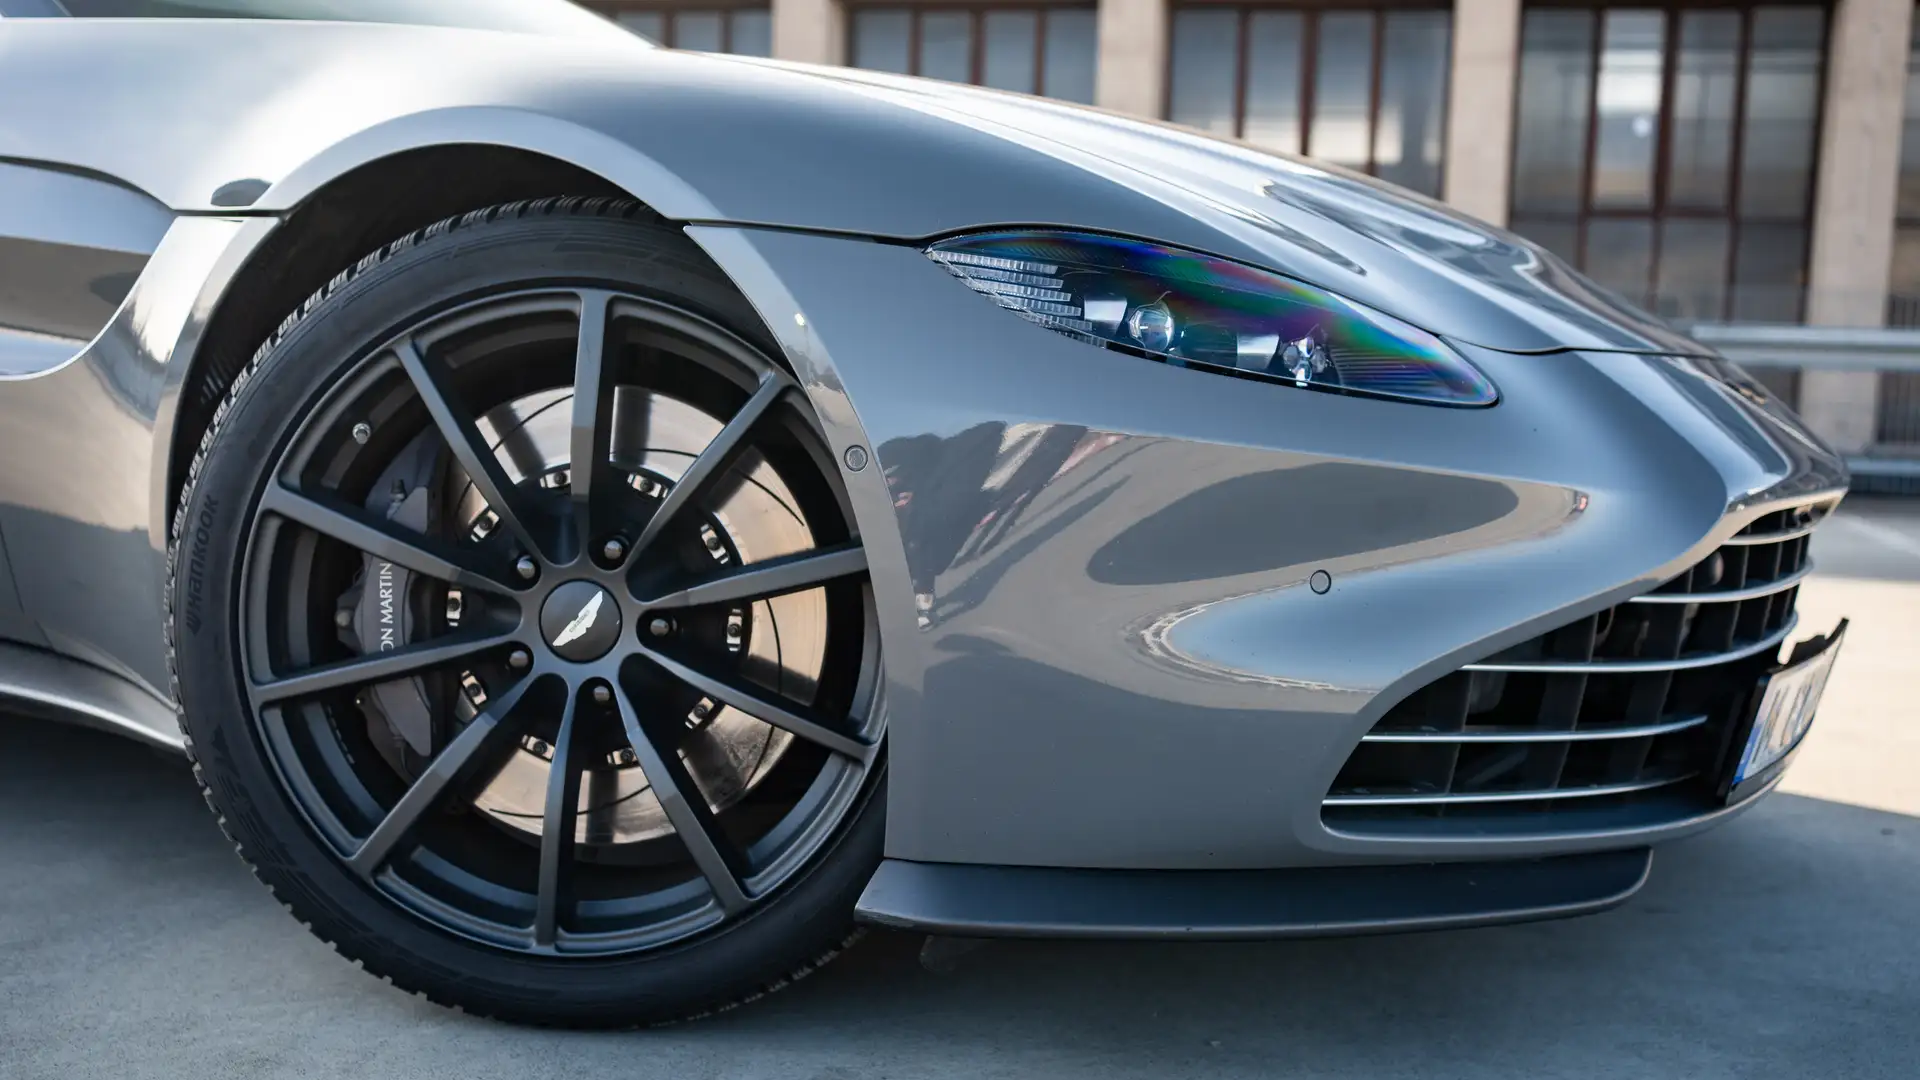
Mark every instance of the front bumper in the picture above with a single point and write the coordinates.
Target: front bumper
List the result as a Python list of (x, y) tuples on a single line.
[(1096, 577)]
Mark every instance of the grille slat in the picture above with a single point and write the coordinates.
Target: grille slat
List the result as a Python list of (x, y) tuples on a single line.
[(1763, 642), (1532, 734), (1788, 577), (1633, 703), (1465, 798)]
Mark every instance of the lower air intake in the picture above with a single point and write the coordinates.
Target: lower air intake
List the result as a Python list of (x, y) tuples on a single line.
[(1627, 711)]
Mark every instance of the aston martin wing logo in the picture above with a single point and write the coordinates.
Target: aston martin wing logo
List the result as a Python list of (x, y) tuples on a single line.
[(581, 623)]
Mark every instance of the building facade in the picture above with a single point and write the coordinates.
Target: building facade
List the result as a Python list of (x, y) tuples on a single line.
[(1714, 160)]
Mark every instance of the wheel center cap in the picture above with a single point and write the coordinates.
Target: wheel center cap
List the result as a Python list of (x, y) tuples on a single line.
[(580, 621)]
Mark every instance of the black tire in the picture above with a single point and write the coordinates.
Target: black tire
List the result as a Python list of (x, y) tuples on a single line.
[(784, 935)]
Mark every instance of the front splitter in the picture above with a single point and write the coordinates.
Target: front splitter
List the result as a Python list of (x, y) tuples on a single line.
[(1024, 901)]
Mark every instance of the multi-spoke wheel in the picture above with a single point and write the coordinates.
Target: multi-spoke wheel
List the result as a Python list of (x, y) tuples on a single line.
[(522, 628)]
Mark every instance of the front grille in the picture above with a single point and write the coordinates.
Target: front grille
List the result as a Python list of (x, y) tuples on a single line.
[(1628, 709)]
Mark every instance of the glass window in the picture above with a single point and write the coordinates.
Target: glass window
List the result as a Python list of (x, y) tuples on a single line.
[(1626, 104), (1782, 111), (1554, 100), (1620, 256), (946, 46), (1027, 49), (1067, 56), (1898, 421), (698, 30), (1706, 71), (1903, 287), (1274, 58), (1200, 94), (744, 30), (1343, 89), (1669, 152), (651, 25), (883, 41), (1769, 263), (1012, 58), (1409, 131), (1361, 86), (1692, 275), (752, 33)]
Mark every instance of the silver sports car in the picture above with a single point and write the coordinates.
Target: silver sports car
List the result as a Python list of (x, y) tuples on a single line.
[(606, 522)]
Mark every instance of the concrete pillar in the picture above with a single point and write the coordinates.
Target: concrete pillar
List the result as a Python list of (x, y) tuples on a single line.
[(1480, 95), (1853, 210), (1131, 72), (814, 31)]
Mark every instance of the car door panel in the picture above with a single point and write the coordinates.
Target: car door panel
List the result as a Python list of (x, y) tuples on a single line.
[(76, 411)]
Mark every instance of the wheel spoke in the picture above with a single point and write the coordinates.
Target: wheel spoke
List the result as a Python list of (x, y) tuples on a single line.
[(592, 438), (380, 539), (763, 705), (771, 577), (558, 827), (377, 667), (455, 762), (469, 448), (687, 809), (713, 461)]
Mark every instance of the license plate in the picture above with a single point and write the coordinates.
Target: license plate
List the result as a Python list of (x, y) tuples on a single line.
[(1788, 698)]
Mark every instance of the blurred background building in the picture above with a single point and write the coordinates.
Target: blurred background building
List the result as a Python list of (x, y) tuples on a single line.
[(1719, 161)]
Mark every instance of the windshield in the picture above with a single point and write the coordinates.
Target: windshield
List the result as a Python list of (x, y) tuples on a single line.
[(527, 16)]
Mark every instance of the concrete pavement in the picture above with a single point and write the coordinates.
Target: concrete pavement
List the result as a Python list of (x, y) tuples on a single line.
[(133, 944)]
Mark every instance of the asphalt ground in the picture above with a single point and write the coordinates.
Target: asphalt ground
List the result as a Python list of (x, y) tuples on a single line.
[(134, 944)]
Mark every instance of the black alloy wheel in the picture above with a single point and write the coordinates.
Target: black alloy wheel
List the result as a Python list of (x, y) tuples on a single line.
[(523, 632)]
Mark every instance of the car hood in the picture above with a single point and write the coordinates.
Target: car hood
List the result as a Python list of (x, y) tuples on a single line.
[(191, 111), (1366, 239)]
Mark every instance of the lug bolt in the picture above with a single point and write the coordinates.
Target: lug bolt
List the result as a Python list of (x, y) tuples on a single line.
[(614, 549), (343, 618), (525, 567), (660, 627), (519, 659), (602, 694)]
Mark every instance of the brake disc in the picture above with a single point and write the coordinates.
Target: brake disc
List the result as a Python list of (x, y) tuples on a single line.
[(780, 643)]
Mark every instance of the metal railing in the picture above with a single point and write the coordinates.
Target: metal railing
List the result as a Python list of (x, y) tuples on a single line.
[(1779, 354)]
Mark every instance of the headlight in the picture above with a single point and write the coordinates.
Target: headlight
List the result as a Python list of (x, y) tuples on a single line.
[(1194, 310)]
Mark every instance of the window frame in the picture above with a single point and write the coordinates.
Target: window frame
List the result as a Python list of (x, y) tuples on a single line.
[(1311, 12), (670, 10), (1658, 212), (976, 31), (1903, 308)]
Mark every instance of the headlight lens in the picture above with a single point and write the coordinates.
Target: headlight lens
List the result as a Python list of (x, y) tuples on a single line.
[(1189, 309)]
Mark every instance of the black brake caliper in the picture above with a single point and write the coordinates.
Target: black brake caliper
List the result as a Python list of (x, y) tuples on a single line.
[(380, 612)]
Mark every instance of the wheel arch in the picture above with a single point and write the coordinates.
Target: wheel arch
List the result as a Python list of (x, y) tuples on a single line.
[(357, 195)]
